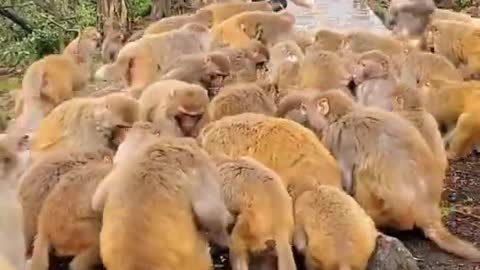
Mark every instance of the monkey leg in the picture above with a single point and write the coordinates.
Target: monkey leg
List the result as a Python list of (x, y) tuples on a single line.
[(299, 238), (86, 259), (463, 136), (284, 254), (29, 230), (238, 250), (40, 254)]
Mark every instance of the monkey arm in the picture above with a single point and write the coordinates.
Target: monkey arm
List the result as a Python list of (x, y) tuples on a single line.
[(101, 193)]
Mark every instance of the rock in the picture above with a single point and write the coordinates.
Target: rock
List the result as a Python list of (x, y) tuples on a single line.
[(391, 254)]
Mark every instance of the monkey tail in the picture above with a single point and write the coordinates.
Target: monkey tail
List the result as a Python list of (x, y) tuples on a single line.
[(437, 232), (284, 252), (290, 102), (41, 249)]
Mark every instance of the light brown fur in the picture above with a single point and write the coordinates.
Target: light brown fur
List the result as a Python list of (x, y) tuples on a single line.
[(170, 104), (328, 40), (332, 230), (241, 98), (67, 223), (368, 145), (264, 212), (112, 43), (83, 48), (222, 11), (138, 63), (284, 146), (150, 205), (204, 17)]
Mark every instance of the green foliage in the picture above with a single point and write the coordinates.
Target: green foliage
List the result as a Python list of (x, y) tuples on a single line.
[(139, 8), (462, 4)]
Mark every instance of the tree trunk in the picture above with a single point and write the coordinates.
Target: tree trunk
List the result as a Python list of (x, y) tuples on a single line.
[(167, 8), (112, 12)]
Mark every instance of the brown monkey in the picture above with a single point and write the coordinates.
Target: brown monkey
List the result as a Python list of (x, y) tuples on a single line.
[(323, 70), (40, 178), (240, 98), (457, 42), (368, 145), (328, 40), (177, 108), (284, 146), (158, 207), (139, 62), (222, 11), (284, 50), (410, 103), (445, 14), (112, 43), (83, 45), (47, 83), (409, 18), (67, 223), (13, 160), (86, 123), (203, 17), (206, 69), (267, 27), (332, 230), (264, 215), (453, 104), (374, 81), (420, 67), (246, 64), (303, 38)]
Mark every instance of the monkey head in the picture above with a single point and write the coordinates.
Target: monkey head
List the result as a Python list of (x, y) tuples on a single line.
[(407, 98), (141, 133), (14, 157), (258, 54), (201, 32), (266, 27), (91, 34), (409, 18), (216, 67), (204, 17), (370, 65), (125, 111), (328, 40), (188, 108)]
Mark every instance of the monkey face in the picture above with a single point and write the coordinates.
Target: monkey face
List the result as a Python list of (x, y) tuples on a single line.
[(188, 122), (366, 69)]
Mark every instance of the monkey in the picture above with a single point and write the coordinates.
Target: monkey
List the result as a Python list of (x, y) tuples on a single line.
[(177, 108), (204, 17), (184, 195), (267, 27), (328, 40), (409, 18), (410, 103), (303, 38), (284, 50), (139, 62), (456, 41), (41, 177), (263, 209), (82, 49), (332, 230), (241, 98), (208, 70), (246, 64), (374, 80), (286, 147), (86, 123), (368, 144), (420, 67), (323, 70), (13, 160), (198, 4), (445, 14), (47, 83), (222, 11), (67, 223), (112, 43), (453, 105)]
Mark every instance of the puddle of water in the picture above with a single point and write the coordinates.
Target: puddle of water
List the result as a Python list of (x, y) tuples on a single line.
[(339, 15)]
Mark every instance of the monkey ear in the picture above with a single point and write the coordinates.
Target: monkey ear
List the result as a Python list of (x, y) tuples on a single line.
[(323, 107), (303, 109), (399, 102)]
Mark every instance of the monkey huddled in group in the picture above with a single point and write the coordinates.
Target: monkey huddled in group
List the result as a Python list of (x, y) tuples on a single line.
[(235, 130)]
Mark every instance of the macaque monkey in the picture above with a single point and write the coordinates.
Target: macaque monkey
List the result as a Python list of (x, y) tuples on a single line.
[(246, 64), (303, 38), (67, 223), (208, 70), (456, 41), (86, 123), (138, 63), (323, 70), (222, 11), (410, 104), (374, 81), (157, 206), (42, 176), (267, 27), (264, 215), (454, 106), (47, 83), (420, 67), (203, 17), (197, 4), (332, 230), (292, 151), (83, 48), (328, 40), (112, 43), (445, 14), (177, 108), (13, 161), (409, 18), (241, 98), (369, 146)]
